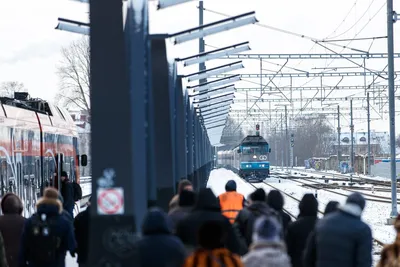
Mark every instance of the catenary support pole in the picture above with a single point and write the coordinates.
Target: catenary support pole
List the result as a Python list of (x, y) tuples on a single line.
[(369, 136), (119, 198), (338, 131), (286, 139), (276, 149), (282, 142), (351, 137), (390, 20)]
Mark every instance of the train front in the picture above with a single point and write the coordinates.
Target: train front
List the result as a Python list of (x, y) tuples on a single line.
[(254, 161)]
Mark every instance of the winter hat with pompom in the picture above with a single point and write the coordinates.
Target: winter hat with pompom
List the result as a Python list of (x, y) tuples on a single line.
[(266, 229)]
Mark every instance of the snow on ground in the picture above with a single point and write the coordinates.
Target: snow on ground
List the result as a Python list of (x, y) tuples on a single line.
[(375, 214), (333, 173)]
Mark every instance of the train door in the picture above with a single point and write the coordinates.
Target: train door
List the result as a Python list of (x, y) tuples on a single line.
[(35, 181), (19, 180), (27, 188)]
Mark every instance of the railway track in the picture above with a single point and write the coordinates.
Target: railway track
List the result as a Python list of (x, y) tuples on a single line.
[(380, 199), (377, 242), (342, 177)]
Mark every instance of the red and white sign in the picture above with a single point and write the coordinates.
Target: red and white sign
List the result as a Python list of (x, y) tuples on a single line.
[(110, 201)]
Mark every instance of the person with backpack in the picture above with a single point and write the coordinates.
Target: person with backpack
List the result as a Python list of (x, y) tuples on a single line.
[(67, 192), (47, 235)]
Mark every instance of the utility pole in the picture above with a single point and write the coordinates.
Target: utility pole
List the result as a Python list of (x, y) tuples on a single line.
[(282, 143), (291, 149), (391, 18), (286, 140), (338, 130), (351, 136), (276, 149), (369, 136), (202, 66)]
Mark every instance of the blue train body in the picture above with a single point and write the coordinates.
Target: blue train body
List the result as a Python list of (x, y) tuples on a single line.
[(250, 158)]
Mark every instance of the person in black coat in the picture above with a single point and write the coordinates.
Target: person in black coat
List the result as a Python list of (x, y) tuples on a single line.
[(341, 238), (187, 199), (11, 226), (275, 200), (207, 209), (258, 206), (67, 192), (298, 231), (158, 247), (81, 225)]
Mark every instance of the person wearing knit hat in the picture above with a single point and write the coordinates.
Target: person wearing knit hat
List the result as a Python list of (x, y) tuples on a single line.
[(267, 248), (390, 254), (47, 235), (344, 234), (231, 202), (246, 217), (298, 231)]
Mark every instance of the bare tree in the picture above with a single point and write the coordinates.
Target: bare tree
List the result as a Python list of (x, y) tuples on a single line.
[(74, 73), (232, 134), (8, 88), (398, 141)]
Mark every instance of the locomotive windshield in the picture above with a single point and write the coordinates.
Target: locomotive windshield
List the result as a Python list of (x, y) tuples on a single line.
[(255, 150)]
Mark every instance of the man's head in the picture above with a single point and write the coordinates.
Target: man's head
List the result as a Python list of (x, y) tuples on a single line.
[(230, 186), (11, 204), (211, 235), (356, 199), (185, 185), (64, 176)]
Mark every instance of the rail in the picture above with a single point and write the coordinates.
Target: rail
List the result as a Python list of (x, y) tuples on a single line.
[(376, 241)]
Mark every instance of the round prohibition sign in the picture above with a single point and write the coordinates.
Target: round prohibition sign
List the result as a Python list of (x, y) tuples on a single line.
[(110, 201)]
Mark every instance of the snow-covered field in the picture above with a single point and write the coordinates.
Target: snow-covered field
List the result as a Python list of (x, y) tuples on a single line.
[(375, 214)]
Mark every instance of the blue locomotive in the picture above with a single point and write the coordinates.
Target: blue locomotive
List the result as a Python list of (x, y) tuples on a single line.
[(250, 158), (253, 159)]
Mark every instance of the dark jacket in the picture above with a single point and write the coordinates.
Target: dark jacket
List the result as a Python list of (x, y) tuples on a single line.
[(207, 209), (158, 247), (67, 192), (53, 210), (81, 225), (245, 220), (343, 233), (11, 227), (177, 214), (298, 231), (275, 201)]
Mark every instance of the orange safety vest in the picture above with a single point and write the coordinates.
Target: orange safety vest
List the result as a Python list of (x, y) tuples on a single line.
[(231, 203)]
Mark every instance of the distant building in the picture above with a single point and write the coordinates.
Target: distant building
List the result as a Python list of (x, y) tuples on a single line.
[(379, 143), (82, 120)]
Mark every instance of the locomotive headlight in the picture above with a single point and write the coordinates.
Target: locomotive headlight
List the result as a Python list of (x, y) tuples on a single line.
[(254, 157)]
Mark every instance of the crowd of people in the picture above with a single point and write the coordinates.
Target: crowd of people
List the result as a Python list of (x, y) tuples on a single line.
[(202, 229)]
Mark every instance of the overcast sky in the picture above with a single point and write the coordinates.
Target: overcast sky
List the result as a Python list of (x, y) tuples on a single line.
[(30, 46)]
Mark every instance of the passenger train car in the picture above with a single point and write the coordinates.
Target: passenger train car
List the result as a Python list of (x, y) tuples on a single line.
[(250, 158), (37, 140)]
